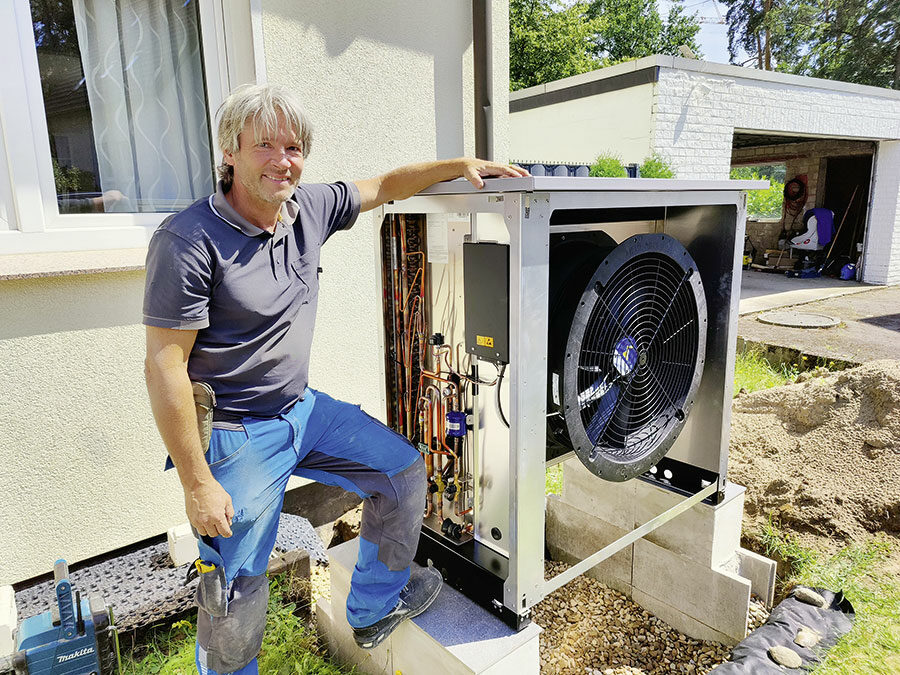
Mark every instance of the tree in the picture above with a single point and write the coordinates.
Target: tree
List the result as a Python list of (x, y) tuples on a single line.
[(630, 29), (548, 42), (550, 39), (854, 41), (850, 40)]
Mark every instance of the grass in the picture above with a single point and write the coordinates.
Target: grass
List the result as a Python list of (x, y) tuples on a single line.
[(752, 372), (863, 572), (289, 646), (554, 479)]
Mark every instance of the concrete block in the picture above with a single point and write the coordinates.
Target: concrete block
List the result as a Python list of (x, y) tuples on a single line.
[(455, 635), (716, 597), (338, 636), (182, 545), (613, 502), (677, 619), (573, 535), (707, 534), (9, 620), (760, 572)]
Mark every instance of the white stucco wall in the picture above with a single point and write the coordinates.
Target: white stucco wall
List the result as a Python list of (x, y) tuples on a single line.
[(386, 84), (577, 130), (82, 463)]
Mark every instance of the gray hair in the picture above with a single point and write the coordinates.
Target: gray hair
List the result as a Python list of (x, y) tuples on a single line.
[(262, 104)]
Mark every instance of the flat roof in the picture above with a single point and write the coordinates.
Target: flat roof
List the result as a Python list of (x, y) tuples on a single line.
[(646, 70), (568, 184)]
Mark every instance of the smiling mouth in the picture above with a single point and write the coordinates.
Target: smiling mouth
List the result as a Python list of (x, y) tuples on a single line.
[(278, 179)]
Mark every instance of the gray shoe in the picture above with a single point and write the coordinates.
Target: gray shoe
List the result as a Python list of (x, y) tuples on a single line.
[(420, 591)]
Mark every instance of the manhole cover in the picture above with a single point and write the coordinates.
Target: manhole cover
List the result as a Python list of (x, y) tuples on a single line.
[(799, 319)]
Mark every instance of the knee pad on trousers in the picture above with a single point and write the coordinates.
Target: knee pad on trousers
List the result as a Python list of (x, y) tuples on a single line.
[(228, 643), (394, 523)]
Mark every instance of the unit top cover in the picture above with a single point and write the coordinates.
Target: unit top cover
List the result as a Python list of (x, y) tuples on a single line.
[(567, 184)]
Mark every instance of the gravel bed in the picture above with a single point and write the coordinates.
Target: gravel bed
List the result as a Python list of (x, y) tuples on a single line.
[(590, 628)]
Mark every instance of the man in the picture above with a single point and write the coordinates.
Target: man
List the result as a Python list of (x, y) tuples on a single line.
[(230, 301)]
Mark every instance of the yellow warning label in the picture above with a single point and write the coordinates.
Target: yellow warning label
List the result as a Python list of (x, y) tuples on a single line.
[(484, 341)]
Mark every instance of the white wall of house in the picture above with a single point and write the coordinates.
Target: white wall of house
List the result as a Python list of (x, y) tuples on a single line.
[(693, 112), (82, 470), (577, 131)]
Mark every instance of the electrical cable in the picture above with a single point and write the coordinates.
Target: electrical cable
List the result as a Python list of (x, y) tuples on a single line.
[(499, 406)]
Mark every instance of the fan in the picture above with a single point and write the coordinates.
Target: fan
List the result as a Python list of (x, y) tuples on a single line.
[(627, 343)]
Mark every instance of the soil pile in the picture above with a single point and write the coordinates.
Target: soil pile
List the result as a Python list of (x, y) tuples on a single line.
[(822, 456)]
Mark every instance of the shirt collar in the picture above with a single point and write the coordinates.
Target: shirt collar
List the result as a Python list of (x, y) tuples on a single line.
[(224, 210)]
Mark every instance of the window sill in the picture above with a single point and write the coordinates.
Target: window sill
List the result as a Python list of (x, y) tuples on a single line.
[(55, 264)]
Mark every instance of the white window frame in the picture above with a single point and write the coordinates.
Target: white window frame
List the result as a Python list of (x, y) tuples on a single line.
[(34, 223)]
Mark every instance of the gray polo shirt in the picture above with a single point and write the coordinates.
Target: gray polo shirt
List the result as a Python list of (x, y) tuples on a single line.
[(250, 294)]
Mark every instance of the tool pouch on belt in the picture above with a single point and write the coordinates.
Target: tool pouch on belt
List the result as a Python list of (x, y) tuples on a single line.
[(212, 591), (204, 402)]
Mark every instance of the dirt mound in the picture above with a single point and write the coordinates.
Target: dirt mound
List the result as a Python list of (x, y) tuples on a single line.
[(822, 455)]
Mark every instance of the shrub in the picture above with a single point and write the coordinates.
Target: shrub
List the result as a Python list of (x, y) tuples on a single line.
[(761, 203), (608, 165), (655, 166)]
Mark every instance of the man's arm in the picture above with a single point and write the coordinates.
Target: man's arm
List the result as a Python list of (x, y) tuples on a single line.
[(408, 180), (207, 504)]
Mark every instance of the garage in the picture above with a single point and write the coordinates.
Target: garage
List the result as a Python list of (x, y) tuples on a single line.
[(840, 141)]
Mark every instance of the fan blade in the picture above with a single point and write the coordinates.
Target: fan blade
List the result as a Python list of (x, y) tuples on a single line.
[(602, 414)]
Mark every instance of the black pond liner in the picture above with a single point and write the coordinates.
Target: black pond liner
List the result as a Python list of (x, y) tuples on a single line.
[(833, 621)]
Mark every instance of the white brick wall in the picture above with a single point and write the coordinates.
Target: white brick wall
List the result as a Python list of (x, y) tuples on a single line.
[(695, 114), (882, 257)]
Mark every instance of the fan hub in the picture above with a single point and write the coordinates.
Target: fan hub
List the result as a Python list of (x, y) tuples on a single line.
[(625, 356)]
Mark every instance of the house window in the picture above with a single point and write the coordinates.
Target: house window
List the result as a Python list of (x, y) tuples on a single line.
[(125, 101)]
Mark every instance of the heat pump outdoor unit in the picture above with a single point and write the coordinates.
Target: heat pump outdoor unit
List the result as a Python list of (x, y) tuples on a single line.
[(541, 318)]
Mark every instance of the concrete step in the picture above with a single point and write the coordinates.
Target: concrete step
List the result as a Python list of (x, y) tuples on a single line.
[(454, 636)]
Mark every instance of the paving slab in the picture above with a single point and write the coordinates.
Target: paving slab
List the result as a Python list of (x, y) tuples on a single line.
[(761, 291), (869, 328)]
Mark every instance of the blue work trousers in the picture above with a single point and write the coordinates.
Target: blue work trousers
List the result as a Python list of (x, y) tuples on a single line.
[(331, 442)]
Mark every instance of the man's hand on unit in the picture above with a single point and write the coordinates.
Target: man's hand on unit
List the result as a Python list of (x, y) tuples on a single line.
[(209, 509), (474, 170)]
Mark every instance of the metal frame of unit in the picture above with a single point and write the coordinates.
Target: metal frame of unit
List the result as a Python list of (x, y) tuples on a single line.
[(707, 217)]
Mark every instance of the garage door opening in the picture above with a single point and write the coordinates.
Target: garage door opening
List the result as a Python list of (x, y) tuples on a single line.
[(818, 198), (846, 195)]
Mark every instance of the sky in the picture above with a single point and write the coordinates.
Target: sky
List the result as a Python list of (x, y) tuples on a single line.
[(713, 37)]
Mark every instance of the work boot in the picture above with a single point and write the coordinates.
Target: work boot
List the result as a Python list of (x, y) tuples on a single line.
[(420, 591)]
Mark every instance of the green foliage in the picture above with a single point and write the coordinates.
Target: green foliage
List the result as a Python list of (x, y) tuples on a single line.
[(631, 29), (863, 571), (761, 203), (752, 371), (552, 39), (71, 179), (608, 166), (289, 646), (655, 166), (852, 41), (553, 480), (548, 42)]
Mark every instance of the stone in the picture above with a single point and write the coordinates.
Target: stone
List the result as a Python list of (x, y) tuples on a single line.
[(807, 637), (785, 656), (809, 596)]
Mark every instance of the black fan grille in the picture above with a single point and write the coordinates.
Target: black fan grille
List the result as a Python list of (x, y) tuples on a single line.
[(648, 312)]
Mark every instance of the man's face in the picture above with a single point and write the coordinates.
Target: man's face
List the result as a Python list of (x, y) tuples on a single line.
[(267, 164)]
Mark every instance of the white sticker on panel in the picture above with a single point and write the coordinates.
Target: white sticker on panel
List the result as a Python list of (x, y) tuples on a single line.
[(436, 236)]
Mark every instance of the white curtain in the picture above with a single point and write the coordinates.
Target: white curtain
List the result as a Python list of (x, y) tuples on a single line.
[(144, 77)]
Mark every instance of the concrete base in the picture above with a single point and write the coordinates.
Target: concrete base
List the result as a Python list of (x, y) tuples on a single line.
[(691, 572), (182, 545), (454, 636)]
